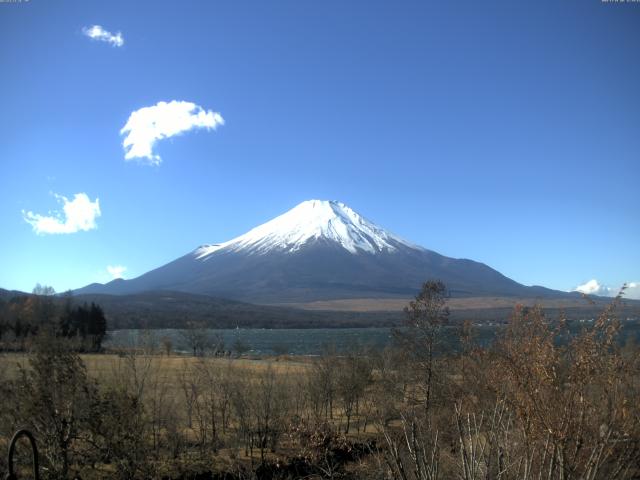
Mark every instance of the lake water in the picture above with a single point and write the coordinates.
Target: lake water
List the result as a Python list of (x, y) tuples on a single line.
[(311, 341), (262, 341)]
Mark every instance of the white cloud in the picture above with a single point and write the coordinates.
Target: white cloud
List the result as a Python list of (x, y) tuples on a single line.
[(78, 214), (116, 271), (96, 32), (632, 291), (163, 120), (593, 287)]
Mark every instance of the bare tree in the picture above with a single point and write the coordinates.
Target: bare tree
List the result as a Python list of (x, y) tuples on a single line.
[(196, 337), (353, 377), (570, 406), (189, 388), (413, 450), (421, 337), (269, 408), (167, 345), (53, 397), (322, 386)]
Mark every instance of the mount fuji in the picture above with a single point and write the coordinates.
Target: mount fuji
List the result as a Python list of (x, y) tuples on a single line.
[(319, 250)]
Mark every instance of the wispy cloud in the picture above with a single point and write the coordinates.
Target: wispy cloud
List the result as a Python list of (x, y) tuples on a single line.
[(116, 271), (149, 124), (593, 287), (96, 32), (77, 214)]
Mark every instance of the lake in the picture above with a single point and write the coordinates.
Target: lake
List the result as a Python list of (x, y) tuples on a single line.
[(297, 341)]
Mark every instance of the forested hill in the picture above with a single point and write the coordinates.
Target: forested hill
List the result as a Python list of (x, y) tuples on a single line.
[(24, 317), (163, 309)]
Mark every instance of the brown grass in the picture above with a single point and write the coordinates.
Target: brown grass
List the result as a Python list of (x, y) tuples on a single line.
[(469, 303)]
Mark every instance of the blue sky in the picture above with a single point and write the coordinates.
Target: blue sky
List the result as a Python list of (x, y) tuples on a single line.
[(506, 132)]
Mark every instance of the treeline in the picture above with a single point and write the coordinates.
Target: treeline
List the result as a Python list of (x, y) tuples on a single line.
[(527, 407), (24, 317), (166, 309)]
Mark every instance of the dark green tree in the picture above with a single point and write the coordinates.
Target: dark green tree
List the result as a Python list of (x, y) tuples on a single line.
[(97, 327)]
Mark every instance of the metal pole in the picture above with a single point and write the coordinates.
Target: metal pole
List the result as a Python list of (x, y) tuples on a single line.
[(12, 447)]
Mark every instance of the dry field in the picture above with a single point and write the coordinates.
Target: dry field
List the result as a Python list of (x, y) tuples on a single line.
[(179, 391), (469, 303), (112, 367)]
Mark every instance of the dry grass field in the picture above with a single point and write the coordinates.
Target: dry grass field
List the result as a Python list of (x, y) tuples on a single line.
[(112, 368), (178, 393), (468, 303), (535, 402), (100, 364)]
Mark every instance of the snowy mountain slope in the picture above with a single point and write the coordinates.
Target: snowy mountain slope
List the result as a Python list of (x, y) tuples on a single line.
[(310, 221), (319, 250)]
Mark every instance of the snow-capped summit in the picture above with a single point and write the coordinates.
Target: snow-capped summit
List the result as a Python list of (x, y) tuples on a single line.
[(309, 221)]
